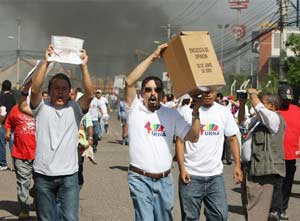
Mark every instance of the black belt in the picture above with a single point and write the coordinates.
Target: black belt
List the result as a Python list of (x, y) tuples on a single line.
[(147, 174)]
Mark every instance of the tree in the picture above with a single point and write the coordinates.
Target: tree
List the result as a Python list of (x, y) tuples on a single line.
[(292, 64)]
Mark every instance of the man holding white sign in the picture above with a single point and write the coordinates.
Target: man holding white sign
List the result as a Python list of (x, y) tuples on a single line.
[(57, 123)]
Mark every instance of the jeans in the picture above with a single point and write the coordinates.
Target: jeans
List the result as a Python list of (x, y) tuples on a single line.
[(51, 191), (3, 161), (152, 199), (2, 147), (96, 128), (24, 180), (210, 190)]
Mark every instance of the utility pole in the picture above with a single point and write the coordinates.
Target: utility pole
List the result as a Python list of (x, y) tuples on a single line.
[(169, 35), (169, 28), (282, 28), (222, 30)]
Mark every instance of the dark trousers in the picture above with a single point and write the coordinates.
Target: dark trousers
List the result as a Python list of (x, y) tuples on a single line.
[(245, 169), (290, 166), (277, 194)]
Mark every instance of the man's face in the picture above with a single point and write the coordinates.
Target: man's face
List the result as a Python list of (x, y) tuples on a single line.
[(152, 95), (208, 98), (98, 94), (59, 93), (267, 104)]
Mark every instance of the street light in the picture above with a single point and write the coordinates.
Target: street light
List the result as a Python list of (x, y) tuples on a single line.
[(18, 49), (222, 28)]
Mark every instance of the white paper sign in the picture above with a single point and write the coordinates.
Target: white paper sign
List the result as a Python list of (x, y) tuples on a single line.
[(30, 73), (165, 76), (66, 49), (119, 82)]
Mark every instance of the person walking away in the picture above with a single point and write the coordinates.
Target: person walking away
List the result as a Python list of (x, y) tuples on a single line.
[(7, 99), (23, 127)]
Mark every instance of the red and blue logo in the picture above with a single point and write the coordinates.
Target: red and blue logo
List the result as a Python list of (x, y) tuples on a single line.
[(209, 129), (156, 130)]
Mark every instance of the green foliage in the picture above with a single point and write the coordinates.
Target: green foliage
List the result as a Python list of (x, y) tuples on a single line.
[(273, 86), (292, 64)]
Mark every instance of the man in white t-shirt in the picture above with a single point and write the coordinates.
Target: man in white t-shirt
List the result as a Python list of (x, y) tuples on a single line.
[(94, 112), (56, 157), (201, 169), (151, 128), (104, 116)]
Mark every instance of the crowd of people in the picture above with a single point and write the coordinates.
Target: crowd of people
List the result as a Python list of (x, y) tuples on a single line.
[(258, 132)]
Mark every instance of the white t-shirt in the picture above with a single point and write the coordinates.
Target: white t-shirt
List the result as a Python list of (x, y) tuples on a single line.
[(185, 111), (151, 136), (94, 109), (103, 103), (57, 139), (204, 157)]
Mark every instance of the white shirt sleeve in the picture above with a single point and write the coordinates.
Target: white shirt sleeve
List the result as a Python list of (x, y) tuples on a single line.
[(182, 127), (269, 118), (231, 127)]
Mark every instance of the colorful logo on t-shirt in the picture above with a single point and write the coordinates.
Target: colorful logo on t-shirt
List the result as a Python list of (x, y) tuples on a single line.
[(156, 130), (209, 129)]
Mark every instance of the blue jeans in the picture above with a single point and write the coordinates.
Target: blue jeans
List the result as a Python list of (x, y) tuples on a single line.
[(152, 199), (2, 147), (102, 126), (53, 190), (210, 190), (96, 128), (3, 161)]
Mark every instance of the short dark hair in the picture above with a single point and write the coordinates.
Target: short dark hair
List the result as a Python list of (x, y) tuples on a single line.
[(6, 85), (185, 102), (220, 95), (157, 81), (59, 76), (272, 99)]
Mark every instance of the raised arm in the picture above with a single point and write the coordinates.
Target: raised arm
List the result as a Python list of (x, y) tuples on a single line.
[(38, 79), (22, 103), (269, 118), (85, 100), (136, 74)]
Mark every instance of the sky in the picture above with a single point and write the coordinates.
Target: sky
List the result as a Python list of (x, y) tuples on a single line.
[(113, 30)]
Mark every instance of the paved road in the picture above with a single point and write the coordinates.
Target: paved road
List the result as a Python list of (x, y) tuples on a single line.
[(105, 194)]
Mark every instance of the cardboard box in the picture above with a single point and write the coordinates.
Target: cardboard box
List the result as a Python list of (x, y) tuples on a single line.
[(192, 63)]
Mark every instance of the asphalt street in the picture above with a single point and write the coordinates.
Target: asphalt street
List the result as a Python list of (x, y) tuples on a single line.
[(105, 194)]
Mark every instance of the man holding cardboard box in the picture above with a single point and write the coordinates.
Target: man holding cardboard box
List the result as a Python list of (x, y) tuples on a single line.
[(151, 128)]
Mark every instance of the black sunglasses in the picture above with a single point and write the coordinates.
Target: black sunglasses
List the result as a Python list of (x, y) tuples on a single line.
[(149, 89)]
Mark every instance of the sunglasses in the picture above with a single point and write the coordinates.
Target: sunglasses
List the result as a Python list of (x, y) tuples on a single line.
[(150, 89)]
